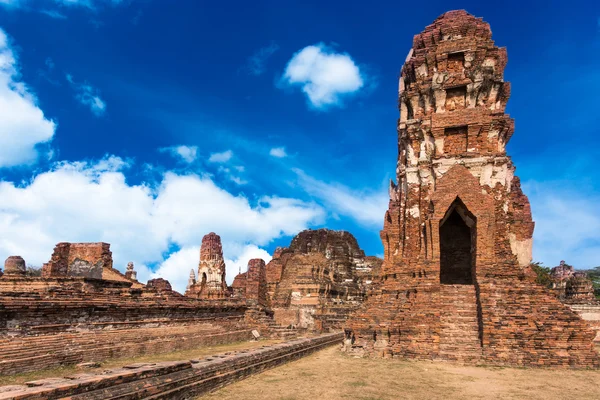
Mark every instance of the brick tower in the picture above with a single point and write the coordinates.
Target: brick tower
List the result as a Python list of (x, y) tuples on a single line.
[(211, 270), (456, 282)]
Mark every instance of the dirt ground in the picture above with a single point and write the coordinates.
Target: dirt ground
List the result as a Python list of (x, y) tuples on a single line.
[(119, 362), (331, 374)]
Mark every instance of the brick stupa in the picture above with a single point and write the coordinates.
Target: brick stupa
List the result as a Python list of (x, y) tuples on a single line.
[(456, 282)]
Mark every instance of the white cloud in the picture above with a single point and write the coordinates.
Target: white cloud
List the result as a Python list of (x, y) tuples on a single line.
[(324, 75), (566, 224), (90, 202), (176, 268), (54, 14), (89, 4), (366, 207), (278, 152), (88, 96), (240, 263), (221, 157), (11, 3), (185, 153), (24, 127), (255, 64)]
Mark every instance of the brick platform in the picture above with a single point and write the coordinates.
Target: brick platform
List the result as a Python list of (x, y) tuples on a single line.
[(170, 380)]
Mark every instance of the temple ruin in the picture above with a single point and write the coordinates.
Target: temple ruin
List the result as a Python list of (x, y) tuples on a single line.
[(455, 282), (571, 286), (316, 282), (210, 283)]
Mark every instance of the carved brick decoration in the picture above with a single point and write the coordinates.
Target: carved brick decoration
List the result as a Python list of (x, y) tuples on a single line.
[(455, 281), (210, 283), (79, 259)]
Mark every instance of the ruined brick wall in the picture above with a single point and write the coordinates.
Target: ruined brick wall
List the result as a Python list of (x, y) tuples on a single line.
[(159, 284), (453, 176), (79, 259), (33, 305), (256, 282), (239, 286), (322, 275)]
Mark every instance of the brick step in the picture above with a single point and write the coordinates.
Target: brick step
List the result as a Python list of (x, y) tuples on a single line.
[(459, 336)]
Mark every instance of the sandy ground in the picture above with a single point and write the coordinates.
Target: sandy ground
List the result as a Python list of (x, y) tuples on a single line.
[(331, 374)]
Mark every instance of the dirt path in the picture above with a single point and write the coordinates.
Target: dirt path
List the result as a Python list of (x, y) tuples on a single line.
[(331, 374)]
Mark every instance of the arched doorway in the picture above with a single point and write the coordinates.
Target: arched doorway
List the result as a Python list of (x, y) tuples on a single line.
[(457, 245)]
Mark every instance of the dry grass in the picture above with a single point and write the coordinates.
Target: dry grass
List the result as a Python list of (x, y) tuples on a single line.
[(119, 362), (330, 374)]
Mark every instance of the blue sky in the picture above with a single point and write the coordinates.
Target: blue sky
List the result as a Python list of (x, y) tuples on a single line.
[(150, 123)]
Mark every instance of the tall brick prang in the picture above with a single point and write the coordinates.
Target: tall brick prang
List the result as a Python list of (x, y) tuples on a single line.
[(455, 281), (210, 283)]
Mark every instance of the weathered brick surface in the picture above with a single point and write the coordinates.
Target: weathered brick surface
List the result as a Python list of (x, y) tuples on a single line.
[(160, 284), (170, 380), (455, 281), (14, 265), (78, 259), (256, 282), (318, 280), (47, 322), (35, 353)]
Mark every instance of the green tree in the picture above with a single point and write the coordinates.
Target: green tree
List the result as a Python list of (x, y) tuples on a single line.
[(594, 275), (543, 273)]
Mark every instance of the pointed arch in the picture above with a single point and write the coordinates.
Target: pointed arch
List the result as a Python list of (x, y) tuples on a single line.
[(458, 239)]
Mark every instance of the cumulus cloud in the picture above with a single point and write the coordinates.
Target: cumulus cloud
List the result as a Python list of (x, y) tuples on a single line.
[(365, 207), (566, 224), (23, 126), (176, 268), (92, 201), (88, 96), (278, 152), (324, 75), (255, 65), (221, 157), (245, 254), (185, 153)]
